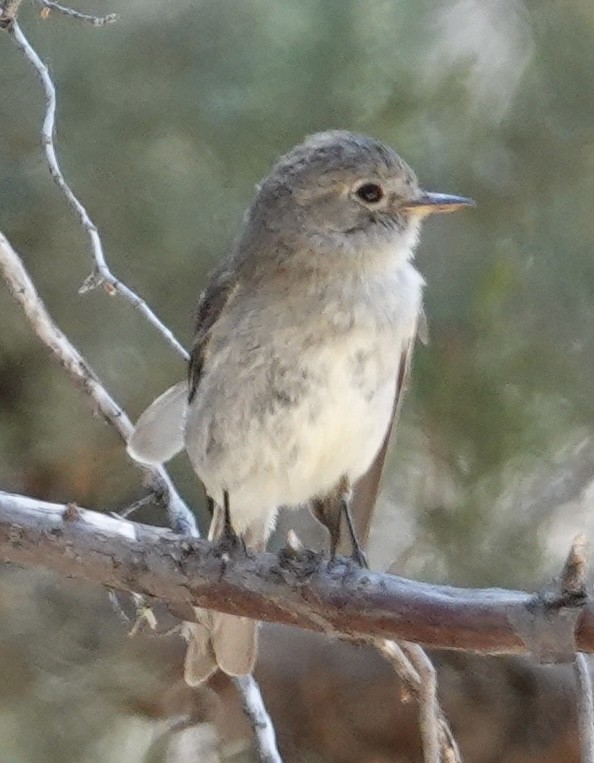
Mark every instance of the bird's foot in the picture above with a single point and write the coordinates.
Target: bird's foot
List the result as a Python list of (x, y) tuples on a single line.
[(229, 543), (359, 557)]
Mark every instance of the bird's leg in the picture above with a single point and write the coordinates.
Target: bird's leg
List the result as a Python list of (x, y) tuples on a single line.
[(228, 530), (222, 532), (329, 511), (358, 554), (229, 535)]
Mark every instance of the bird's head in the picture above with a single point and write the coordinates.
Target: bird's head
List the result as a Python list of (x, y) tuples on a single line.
[(339, 192)]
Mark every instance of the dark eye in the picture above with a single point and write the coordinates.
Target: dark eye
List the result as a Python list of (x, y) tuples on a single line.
[(370, 193)]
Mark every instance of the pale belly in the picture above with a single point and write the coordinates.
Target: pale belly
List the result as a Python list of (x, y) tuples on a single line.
[(346, 424), (291, 403), (291, 452)]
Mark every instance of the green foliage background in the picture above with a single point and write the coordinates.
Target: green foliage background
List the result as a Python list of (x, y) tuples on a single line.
[(167, 119)]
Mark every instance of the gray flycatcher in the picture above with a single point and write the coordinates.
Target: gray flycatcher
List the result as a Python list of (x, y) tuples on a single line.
[(303, 342)]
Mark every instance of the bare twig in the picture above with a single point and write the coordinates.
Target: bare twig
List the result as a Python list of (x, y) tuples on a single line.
[(429, 710), (253, 707), (102, 275), (23, 290), (134, 506), (85, 17), (573, 575), (418, 675), (585, 707), (353, 602), (399, 661), (438, 740), (117, 607), (8, 12), (144, 614)]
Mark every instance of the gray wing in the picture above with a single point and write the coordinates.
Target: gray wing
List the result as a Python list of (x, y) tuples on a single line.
[(214, 298), (159, 432)]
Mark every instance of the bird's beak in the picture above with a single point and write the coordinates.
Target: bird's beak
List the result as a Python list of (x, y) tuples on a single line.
[(429, 203)]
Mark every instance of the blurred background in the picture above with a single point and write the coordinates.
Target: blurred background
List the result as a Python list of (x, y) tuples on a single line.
[(166, 120)]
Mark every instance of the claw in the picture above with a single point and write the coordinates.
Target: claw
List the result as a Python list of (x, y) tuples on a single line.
[(359, 557)]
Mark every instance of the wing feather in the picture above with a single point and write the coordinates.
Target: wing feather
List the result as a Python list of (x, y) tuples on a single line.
[(213, 300), (367, 487)]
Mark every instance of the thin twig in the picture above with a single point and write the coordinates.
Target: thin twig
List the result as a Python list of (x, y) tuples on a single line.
[(585, 707), (429, 710), (144, 614), (25, 293), (399, 661), (8, 12), (417, 673), (253, 707), (102, 275), (572, 581), (117, 607), (85, 17), (131, 508), (435, 729)]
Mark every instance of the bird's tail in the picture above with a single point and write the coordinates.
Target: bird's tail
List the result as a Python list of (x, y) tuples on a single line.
[(215, 640), (159, 432), (218, 640), (222, 641)]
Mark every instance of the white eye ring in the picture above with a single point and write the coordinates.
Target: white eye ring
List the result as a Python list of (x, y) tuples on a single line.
[(370, 193)]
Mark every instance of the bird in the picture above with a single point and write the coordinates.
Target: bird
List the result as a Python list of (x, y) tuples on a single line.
[(302, 347)]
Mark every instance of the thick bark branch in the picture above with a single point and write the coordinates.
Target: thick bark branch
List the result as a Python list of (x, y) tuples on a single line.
[(295, 589)]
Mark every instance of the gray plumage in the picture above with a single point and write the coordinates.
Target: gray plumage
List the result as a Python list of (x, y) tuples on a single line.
[(303, 335)]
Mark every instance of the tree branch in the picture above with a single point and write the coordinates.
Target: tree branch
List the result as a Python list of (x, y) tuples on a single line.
[(416, 671), (254, 708), (77, 368), (50, 5), (302, 590), (101, 275), (8, 12)]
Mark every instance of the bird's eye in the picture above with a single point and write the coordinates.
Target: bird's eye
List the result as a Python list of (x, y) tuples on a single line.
[(370, 193)]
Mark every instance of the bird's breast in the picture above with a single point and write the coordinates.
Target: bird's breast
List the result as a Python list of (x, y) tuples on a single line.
[(295, 399), (348, 412)]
